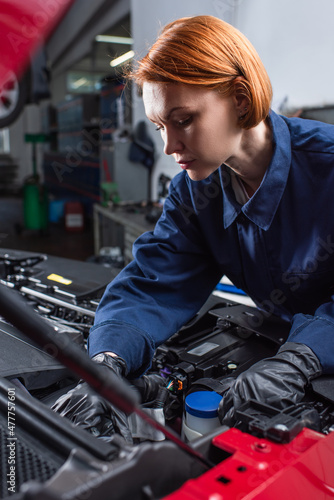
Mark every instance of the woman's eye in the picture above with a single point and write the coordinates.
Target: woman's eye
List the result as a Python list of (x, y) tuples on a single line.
[(184, 123), (159, 127)]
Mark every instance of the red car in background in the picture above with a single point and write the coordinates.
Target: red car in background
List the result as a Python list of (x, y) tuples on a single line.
[(24, 28)]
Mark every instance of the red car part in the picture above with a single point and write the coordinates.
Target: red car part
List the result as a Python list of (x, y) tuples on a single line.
[(263, 470), (24, 26)]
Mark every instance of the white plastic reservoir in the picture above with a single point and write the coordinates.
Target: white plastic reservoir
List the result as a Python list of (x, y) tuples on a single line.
[(201, 415)]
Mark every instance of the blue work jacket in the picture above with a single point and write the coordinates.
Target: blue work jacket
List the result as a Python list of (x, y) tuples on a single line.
[(278, 248)]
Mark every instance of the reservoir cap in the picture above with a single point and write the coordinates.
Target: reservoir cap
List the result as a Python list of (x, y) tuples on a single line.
[(203, 404)]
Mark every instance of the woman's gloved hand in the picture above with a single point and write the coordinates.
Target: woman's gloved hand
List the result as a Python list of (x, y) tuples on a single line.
[(85, 408), (279, 381)]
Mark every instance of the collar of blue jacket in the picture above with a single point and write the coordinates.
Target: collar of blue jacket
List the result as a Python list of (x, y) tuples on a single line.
[(262, 206)]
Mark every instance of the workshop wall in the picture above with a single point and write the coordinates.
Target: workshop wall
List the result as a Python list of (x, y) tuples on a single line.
[(296, 43)]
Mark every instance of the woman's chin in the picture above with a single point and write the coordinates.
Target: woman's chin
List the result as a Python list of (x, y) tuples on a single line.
[(199, 176)]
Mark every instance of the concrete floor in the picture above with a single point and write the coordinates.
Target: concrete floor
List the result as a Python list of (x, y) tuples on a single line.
[(55, 241)]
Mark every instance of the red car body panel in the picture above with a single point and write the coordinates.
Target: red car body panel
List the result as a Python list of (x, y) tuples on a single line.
[(259, 469)]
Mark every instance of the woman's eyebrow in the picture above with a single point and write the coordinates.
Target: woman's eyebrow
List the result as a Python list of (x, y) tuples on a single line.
[(176, 108), (170, 112)]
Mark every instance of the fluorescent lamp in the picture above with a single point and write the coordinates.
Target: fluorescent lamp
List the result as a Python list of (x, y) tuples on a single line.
[(121, 59), (114, 39), (79, 83)]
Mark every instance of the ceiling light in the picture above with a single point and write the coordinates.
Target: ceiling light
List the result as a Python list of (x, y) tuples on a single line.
[(114, 39), (79, 83), (121, 59)]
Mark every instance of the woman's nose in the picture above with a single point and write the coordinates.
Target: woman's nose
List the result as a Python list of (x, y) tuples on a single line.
[(172, 143)]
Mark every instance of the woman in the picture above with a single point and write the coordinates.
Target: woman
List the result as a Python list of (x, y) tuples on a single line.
[(252, 202)]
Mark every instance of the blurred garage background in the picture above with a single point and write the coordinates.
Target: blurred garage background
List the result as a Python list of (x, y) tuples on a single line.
[(71, 182)]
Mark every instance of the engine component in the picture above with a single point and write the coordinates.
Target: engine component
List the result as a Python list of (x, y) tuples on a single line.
[(221, 341)]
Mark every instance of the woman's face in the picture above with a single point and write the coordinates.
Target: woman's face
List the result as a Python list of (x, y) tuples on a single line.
[(199, 127)]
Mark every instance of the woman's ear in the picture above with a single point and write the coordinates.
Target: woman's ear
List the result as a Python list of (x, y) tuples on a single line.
[(241, 96)]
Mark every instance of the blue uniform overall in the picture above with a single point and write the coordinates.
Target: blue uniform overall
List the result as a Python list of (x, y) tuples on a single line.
[(278, 247)]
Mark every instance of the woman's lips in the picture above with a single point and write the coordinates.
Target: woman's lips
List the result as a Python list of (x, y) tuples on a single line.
[(185, 164)]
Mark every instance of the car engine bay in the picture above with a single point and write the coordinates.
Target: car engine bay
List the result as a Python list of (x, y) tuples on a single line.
[(56, 460)]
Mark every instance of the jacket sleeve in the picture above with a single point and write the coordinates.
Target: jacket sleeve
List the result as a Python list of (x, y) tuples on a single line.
[(317, 332), (170, 278)]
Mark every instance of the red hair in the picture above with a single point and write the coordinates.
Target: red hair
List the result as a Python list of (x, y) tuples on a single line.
[(206, 51)]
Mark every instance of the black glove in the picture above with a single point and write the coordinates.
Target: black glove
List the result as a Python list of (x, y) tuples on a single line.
[(85, 408), (278, 381)]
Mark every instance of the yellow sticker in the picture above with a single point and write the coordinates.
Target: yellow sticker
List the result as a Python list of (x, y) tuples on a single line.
[(59, 279)]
